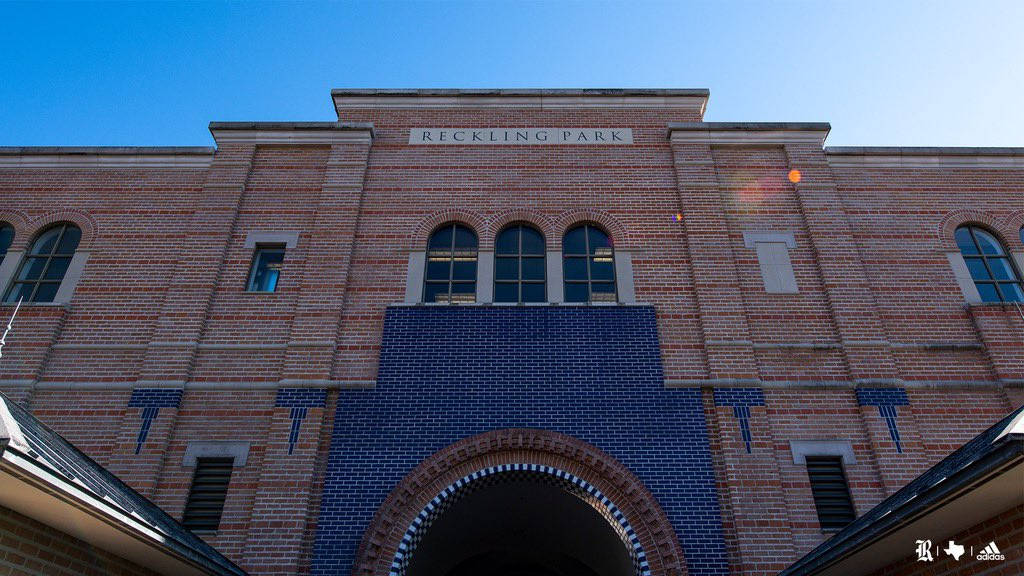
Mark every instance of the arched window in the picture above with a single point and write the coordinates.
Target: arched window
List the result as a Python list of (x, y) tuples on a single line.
[(451, 265), (43, 268), (6, 237), (589, 265), (519, 266), (991, 268)]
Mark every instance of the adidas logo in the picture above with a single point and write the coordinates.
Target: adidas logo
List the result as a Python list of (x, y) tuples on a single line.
[(991, 552)]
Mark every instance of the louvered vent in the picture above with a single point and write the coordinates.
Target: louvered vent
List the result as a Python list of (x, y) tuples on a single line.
[(206, 498), (831, 492)]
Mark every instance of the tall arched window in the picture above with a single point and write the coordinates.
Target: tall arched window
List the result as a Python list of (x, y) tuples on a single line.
[(519, 268), (43, 268), (589, 265), (991, 268), (451, 265), (6, 237)]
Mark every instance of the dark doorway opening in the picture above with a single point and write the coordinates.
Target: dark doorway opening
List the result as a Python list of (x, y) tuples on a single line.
[(522, 527)]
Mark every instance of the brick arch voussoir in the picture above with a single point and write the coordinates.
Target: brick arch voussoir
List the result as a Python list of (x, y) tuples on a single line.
[(614, 228), (20, 222), (1014, 224), (422, 233), (536, 219), (518, 446), (83, 220), (950, 222)]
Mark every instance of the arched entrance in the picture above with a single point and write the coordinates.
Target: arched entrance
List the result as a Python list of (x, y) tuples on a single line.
[(520, 520), (520, 502)]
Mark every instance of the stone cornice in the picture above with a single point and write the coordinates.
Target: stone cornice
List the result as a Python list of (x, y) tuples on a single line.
[(290, 132), (924, 157), (105, 157), (748, 133), (521, 98)]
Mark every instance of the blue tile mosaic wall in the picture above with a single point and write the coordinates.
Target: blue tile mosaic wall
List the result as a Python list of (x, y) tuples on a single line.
[(451, 372), (886, 399), (151, 400), (741, 399)]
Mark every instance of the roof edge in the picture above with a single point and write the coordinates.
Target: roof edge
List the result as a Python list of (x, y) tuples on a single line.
[(294, 126), (922, 151), (750, 126), (498, 92), (107, 150)]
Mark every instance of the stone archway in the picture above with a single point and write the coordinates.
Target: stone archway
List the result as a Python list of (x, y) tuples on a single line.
[(479, 467)]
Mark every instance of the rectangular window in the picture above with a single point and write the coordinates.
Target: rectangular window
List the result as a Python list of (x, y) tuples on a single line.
[(266, 268), (206, 497), (831, 492)]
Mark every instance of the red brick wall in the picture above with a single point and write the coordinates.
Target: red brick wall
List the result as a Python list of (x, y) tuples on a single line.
[(168, 265), (28, 548)]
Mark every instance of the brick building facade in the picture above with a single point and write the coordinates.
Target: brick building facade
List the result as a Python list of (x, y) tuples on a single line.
[(760, 301)]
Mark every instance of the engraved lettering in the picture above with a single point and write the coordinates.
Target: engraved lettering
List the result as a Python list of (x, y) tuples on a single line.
[(599, 136), (476, 136), (615, 135), (542, 135), (522, 135), (455, 136)]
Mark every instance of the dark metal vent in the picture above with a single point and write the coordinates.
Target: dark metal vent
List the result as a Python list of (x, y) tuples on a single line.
[(209, 489), (831, 492)]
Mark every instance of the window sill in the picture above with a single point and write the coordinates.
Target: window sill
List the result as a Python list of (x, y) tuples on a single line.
[(523, 305)]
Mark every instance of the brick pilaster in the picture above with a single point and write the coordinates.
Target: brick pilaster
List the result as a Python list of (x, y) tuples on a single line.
[(315, 328), (171, 352), (723, 320), (282, 502)]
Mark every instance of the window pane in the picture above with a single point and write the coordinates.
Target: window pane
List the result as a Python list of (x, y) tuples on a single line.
[(464, 269), (266, 270), (965, 242), (977, 268), (988, 292), (1012, 292), (57, 268), (602, 268), (20, 291), (533, 293), (575, 241), (1001, 269), (575, 268), (437, 269), (46, 292), (988, 243), (599, 241), (508, 241), (44, 244), (533, 242), (435, 292), (6, 237), (602, 292), (506, 292), (32, 268), (441, 240), (506, 268), (533, 268), (464, 238), (464, 292), (69, 242), (575, 292)]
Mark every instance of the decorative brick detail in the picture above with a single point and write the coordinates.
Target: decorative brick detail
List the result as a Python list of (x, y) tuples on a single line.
[(887, 399), (418, 240), (950, 222), (551, 232), (615, 229), (642, 515), (740, 399), (300, 400), (79, 218), (151, 400), (19, 221), (451, 373)]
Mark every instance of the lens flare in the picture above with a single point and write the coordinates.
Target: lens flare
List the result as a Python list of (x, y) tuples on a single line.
[(679, 217), (794, 176)]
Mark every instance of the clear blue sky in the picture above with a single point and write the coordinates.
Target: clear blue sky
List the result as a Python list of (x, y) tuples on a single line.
[(883, 73)]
